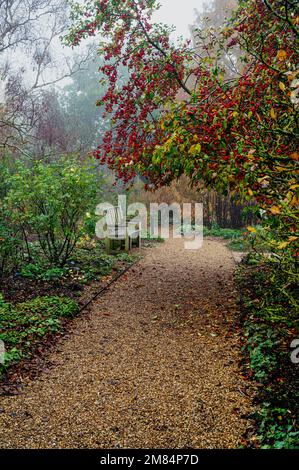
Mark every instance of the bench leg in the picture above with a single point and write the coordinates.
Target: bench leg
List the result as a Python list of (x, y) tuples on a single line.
[(139, 237), (108, 245), (127, 243)]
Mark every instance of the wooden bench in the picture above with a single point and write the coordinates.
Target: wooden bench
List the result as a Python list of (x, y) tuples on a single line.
[(121, 229)]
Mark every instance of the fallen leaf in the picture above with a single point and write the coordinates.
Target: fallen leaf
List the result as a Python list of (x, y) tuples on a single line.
[(275, 210), (281, 55), (272, 113), (282, 86)]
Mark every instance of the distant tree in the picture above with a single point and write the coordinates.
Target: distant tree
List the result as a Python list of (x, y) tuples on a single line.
[(50, 129), (82, 116), (29, 34)]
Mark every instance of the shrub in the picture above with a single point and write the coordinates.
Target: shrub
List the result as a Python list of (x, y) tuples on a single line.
[(49, 203), (10, 240), (226, 233), (37, 271), (10, 244)]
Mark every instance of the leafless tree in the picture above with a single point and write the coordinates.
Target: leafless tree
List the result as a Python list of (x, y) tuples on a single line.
[(31, 60)]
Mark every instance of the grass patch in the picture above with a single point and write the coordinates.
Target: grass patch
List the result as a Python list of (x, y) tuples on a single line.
[(215, 231), (226, 233)]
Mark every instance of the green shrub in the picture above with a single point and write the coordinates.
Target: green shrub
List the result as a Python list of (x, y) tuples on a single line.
[(237, 245), (93, 263), (49, 202), (10, 244), (37, 271), (270, 322), (226, 233), (10, 239), (261, 345), (276, 430)]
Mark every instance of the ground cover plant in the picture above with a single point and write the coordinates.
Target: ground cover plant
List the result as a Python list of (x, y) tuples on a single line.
[(269, 323), (25, 324)]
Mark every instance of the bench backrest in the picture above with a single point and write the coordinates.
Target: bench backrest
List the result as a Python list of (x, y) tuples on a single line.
[(114, 216)]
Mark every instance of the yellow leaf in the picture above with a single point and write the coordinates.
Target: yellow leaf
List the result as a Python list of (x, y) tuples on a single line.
[(281, 54), (293, 239), (282, 86), (250, 192), (272, 113), (294, 202), (195, 149), (283, 245), (251, 229), (275, 210)]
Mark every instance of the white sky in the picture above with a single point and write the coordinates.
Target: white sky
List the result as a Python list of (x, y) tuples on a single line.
[(179, 13)]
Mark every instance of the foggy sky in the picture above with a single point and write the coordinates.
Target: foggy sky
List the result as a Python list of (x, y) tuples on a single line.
[(179, 13)]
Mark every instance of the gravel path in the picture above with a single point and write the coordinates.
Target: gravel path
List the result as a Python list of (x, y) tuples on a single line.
[(154, 364)]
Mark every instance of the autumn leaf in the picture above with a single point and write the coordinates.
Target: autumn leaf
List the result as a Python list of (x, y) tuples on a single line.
[(283, 245), (282, 86), (275, 210), (273, 113), (295, 156), (281, 55), (195, 149), (251, 229)]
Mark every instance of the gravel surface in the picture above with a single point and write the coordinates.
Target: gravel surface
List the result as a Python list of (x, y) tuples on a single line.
[(154, 364)]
